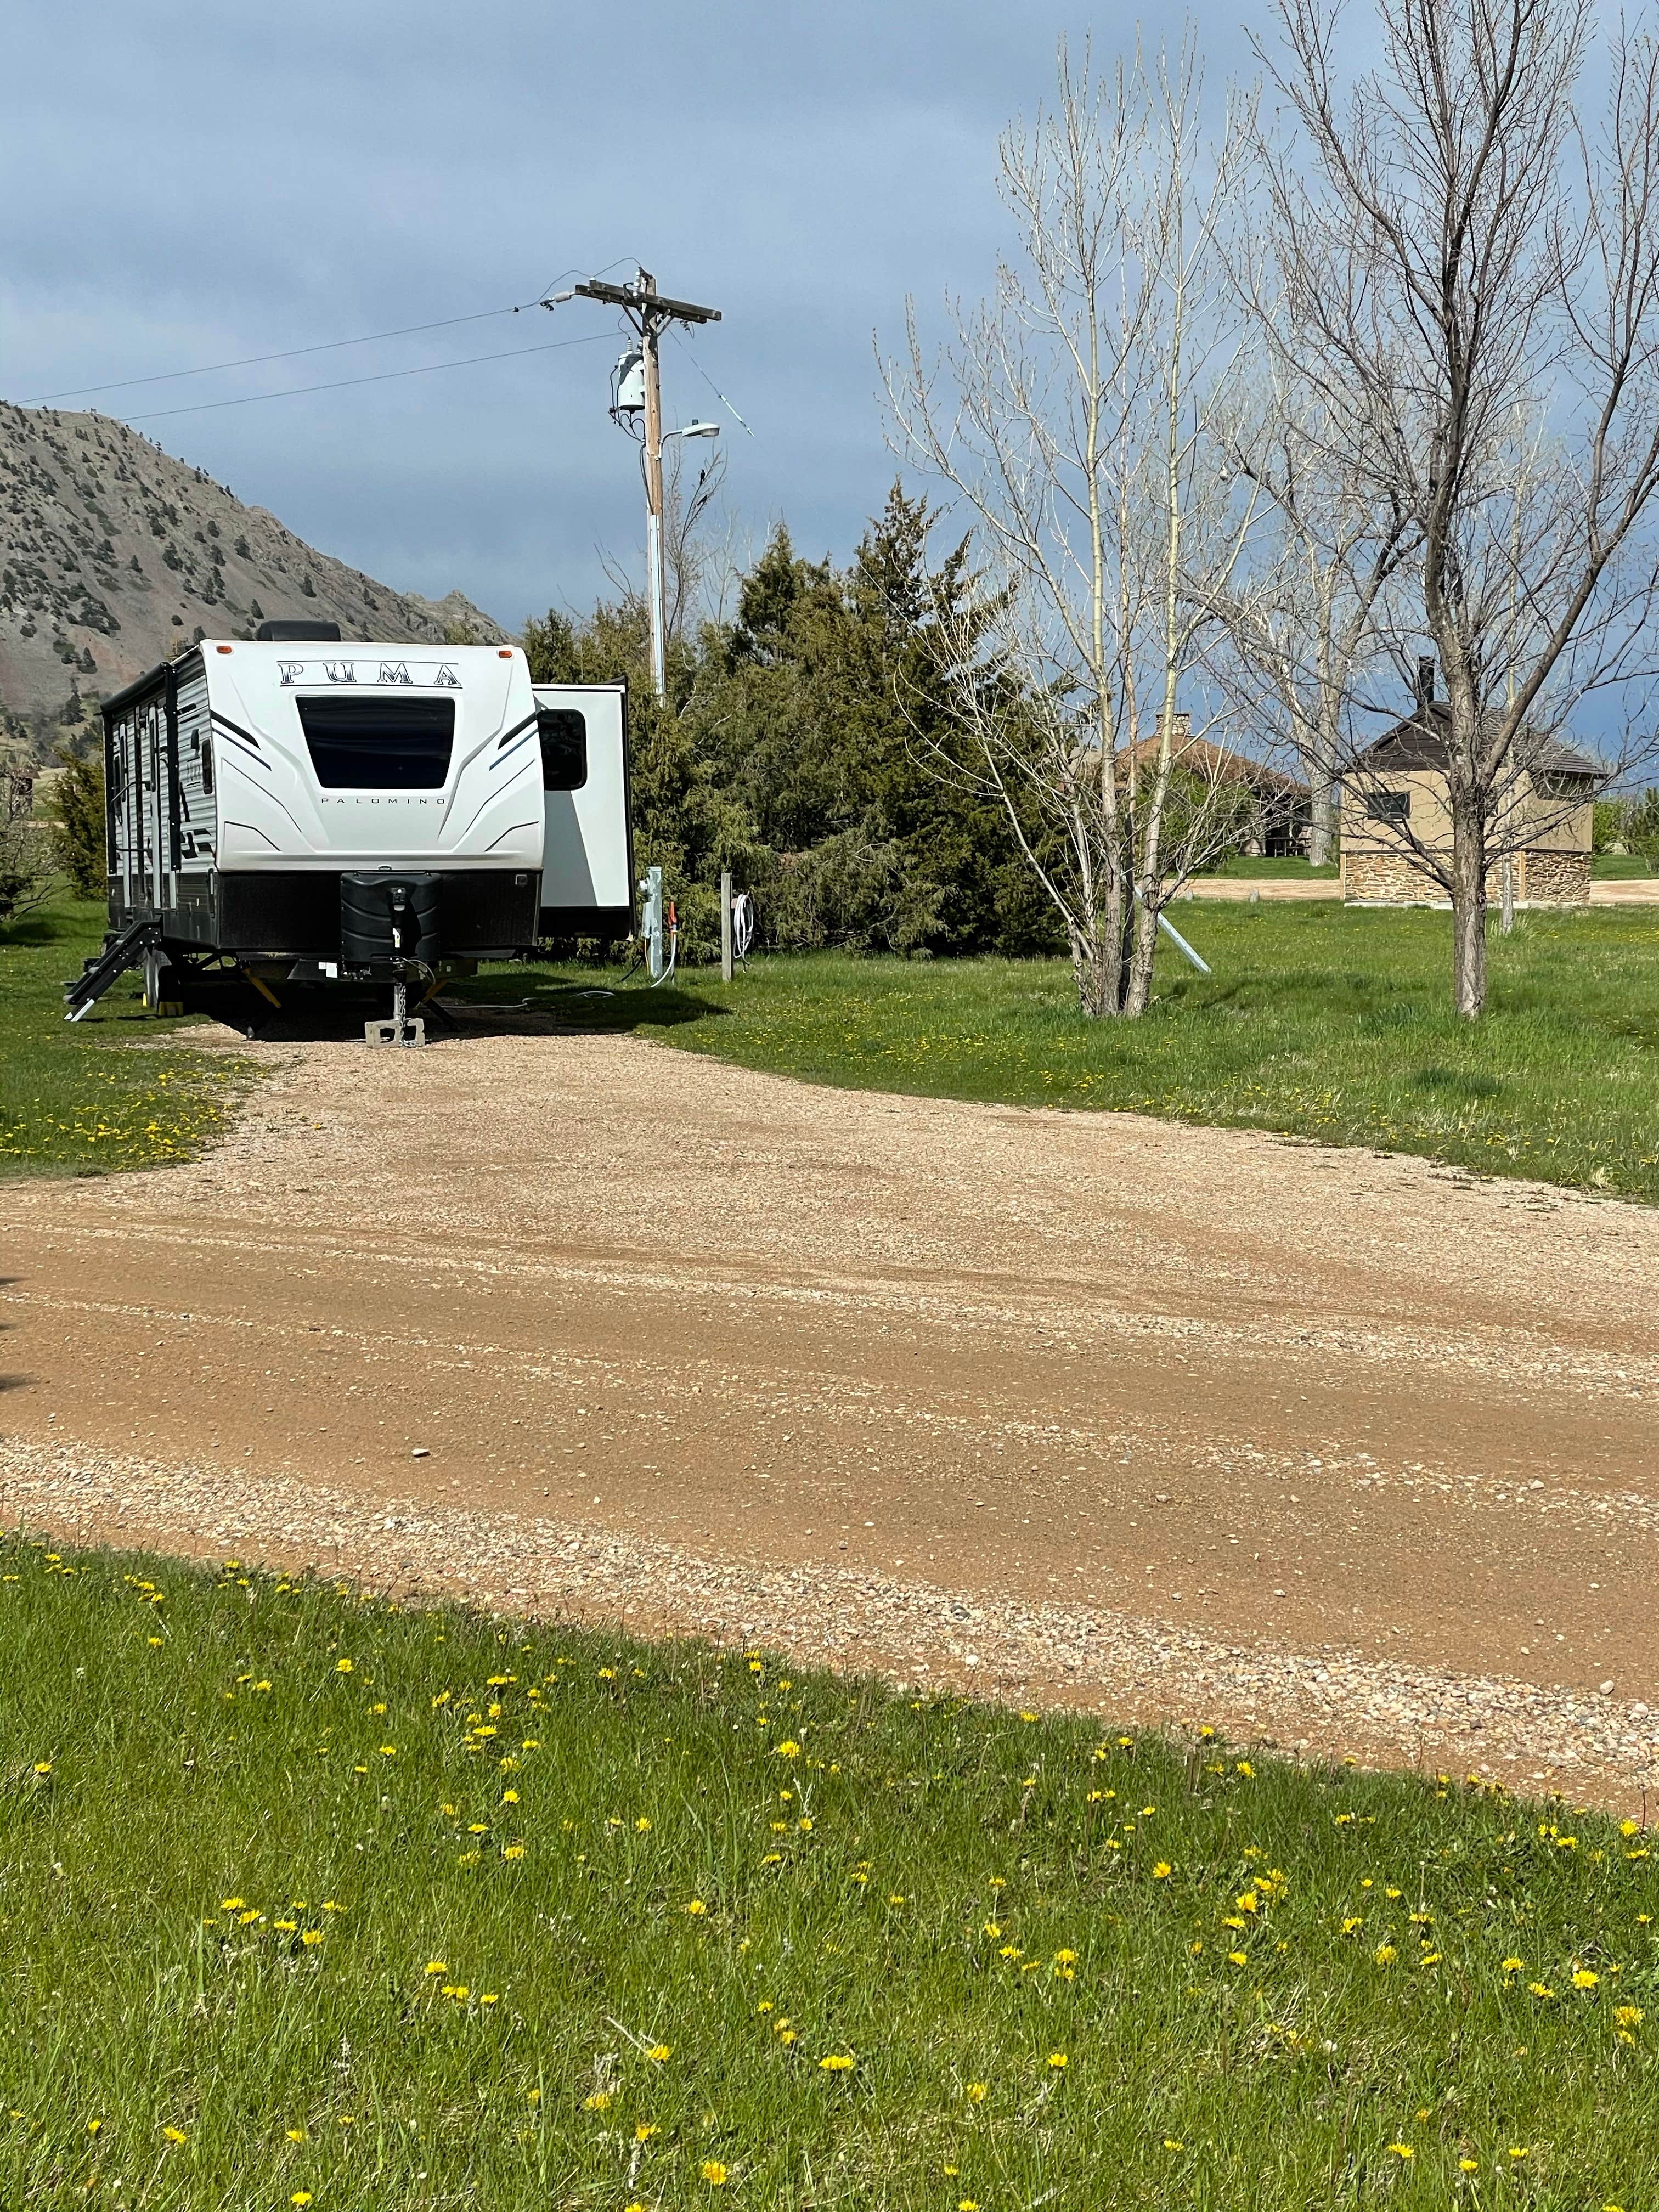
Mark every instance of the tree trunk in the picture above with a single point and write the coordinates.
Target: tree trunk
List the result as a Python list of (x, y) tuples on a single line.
[(1322, 835), (1101, 956), (1096, 971), (1468, 897), (1143, 948)]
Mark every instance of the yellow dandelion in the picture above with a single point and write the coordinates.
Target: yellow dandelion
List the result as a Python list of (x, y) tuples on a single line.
[(659, 2051), (175, 2135), (696, 1906), (645, 2130), (1402, 2150), (600, 2102), (1162, 1870), (1057, 2061), (1584, 1980), (788, 1749), (714, 2172), (976, 2090), (838, 2062)]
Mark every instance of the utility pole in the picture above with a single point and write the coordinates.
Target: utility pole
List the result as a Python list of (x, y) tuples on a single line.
[(650, 313)]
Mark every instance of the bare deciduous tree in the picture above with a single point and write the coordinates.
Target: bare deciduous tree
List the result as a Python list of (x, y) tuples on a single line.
[(1300, 621), (1068, 417), (1471, 276)]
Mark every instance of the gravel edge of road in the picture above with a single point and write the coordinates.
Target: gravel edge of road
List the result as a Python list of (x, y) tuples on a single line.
[(1529, 1736)]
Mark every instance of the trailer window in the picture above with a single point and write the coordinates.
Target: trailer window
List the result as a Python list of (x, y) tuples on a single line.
[(378, 745), (563, 734)]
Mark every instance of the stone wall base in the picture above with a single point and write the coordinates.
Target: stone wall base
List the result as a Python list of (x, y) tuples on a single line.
[(1541, 879)]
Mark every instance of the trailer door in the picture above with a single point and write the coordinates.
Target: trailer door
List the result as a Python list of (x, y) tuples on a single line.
[(133, 764)]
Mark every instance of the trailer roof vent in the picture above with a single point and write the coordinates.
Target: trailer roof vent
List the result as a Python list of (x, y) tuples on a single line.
[(298, 632)]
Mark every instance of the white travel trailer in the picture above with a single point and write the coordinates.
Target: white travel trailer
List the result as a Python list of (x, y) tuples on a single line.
[(294, 810)]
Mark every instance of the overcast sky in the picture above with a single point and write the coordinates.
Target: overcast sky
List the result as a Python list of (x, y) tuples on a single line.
[(191, 184)]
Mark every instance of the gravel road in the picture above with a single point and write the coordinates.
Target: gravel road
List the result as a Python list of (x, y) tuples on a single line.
[(1336, 1450)]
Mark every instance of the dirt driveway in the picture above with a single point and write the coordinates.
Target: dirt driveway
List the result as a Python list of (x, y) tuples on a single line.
[(1325, 1447)]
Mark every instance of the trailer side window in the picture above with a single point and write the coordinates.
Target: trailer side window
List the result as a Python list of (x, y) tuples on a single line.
[(207, 768), (378, 745), (563, 733)]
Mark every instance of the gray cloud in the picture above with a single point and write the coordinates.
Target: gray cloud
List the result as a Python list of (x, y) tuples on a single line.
[(195, 183)]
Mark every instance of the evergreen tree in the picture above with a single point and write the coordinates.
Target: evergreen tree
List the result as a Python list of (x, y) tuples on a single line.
[(808, 746)]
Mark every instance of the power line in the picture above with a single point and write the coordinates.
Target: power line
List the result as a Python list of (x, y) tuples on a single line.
[(690, 351), (385, 376), (257, 360)]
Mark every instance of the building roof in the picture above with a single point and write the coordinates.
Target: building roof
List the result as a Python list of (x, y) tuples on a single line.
[(1219, 764), (1420, 741)]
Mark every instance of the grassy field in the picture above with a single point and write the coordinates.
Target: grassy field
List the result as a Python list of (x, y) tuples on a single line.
[(1317, 1021), (67, 1101), (308, 1900), (1252, 866)]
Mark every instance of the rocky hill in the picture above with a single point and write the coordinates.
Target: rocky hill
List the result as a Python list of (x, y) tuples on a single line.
[(113, 554)]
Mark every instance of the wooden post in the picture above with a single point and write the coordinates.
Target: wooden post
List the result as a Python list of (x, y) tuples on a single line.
[(725, 925)]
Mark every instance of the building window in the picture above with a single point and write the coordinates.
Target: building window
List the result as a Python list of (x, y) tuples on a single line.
[(563, 733), (1389, 805)]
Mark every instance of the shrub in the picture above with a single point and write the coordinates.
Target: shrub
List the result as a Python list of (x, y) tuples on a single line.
[(76, 817)]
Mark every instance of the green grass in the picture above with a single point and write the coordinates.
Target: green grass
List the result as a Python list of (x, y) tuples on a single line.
[(69, 1099), (1620, 864), (310, 1899), (1249, 865), (1318, 1021)]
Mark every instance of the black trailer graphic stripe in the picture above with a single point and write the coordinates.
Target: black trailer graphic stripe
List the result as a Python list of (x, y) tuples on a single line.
[(223, 724)]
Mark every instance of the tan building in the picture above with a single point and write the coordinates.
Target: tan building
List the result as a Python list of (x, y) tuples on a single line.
[(1396, 795)]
